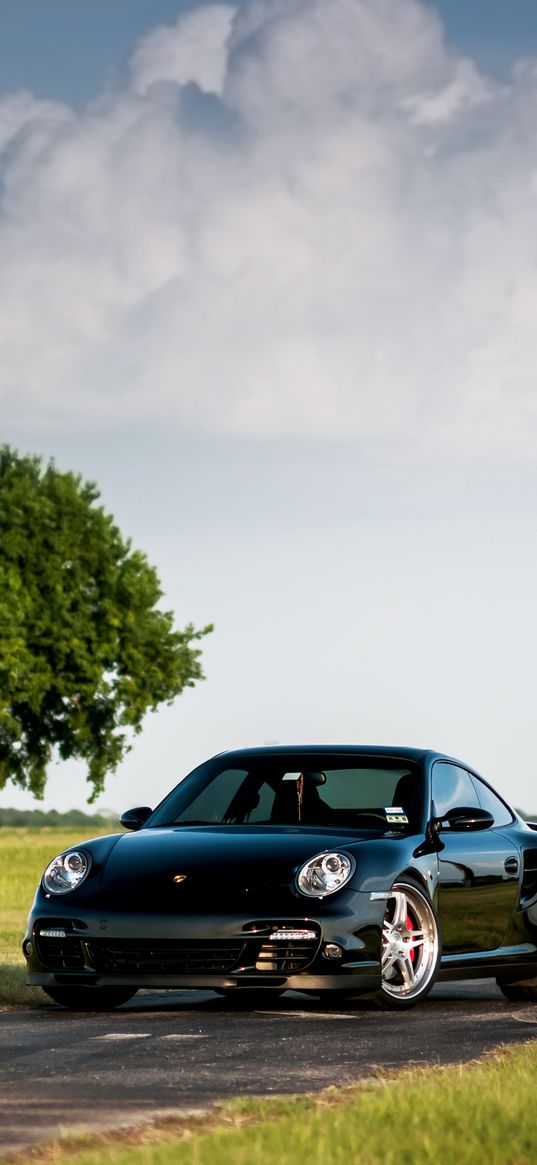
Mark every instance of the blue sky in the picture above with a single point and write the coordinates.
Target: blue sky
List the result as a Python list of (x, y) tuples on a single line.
[(70, 49), (267, 276)]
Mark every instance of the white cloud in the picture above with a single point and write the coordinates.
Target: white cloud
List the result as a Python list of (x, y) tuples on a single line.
[(195, 50), (301, 218), (310, 57)]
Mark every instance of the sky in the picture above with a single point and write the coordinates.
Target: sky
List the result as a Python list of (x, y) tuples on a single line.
[(268, 275)]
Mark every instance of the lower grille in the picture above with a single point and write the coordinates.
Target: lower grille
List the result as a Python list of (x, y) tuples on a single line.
[(252, 953), (285, 957), (146, 955), (61, 954)]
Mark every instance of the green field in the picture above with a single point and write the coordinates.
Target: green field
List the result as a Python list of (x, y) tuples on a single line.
[(437, 1116)]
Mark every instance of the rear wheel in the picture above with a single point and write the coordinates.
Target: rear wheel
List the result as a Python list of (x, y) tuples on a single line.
[(90, 998), (410, 947), (519, 992)]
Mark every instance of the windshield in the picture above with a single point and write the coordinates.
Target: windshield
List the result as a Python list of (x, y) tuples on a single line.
[(373, 793)]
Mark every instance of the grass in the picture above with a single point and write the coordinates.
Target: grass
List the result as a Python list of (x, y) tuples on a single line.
[(24, 854), (470, 1114)]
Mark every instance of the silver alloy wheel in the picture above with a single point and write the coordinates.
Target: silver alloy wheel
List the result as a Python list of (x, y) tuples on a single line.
[(410, 945)]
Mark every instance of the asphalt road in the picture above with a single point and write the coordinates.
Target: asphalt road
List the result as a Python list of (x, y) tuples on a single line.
[(169, 1053)]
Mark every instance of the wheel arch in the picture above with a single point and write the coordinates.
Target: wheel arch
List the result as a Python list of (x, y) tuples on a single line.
[(410, 873)]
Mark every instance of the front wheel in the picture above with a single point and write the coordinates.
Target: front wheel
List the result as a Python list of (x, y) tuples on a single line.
[(410, 947), (90, 998), (518, 992)]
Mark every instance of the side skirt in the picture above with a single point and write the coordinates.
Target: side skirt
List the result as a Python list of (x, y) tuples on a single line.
[(490, 964)]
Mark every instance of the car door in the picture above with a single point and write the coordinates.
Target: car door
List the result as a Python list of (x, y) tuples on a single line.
[(478, 869)]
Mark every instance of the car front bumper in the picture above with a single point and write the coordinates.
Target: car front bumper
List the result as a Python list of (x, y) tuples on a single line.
[(336, 950)]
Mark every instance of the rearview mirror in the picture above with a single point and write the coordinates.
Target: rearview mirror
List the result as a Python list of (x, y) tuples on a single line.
[(309, 778)]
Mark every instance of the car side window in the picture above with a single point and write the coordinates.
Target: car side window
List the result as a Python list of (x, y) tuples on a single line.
[(488, 800), (452, 788)]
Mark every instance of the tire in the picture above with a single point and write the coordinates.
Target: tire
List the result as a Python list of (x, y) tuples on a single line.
[(518, 992), (410, 947), (89, 998)]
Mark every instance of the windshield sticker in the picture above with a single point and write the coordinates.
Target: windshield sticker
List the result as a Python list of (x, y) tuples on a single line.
[(396, 814)]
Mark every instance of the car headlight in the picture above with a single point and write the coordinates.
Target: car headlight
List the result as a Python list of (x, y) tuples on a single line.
[(66, 872), (325, 874)]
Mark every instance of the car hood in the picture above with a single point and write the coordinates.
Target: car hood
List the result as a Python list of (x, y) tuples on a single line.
[(219, 857)]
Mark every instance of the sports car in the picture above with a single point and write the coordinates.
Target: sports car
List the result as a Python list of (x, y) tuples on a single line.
[(337, 871)]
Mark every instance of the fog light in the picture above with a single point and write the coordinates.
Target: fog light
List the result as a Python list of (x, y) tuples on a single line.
[(27, 950), (53, 932), (292, 935), (332, 951)]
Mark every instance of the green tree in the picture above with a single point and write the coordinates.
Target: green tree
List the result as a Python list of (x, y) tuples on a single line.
[(85, 651)]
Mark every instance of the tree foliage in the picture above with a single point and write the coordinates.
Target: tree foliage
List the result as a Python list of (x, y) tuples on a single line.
[(85, 651)]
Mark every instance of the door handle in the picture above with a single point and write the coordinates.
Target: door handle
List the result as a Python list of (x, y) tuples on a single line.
[(510, 866)]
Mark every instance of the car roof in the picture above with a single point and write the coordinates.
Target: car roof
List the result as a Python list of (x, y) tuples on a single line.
[(355, 750)]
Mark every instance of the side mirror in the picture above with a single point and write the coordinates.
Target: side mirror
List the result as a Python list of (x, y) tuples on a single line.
[(135, 818), (465, 818)]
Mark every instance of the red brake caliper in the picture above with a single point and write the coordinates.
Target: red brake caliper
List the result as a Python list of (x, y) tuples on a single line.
[(410, 926)]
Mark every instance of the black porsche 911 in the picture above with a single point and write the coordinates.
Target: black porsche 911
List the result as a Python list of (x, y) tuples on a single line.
[(342, 870)]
